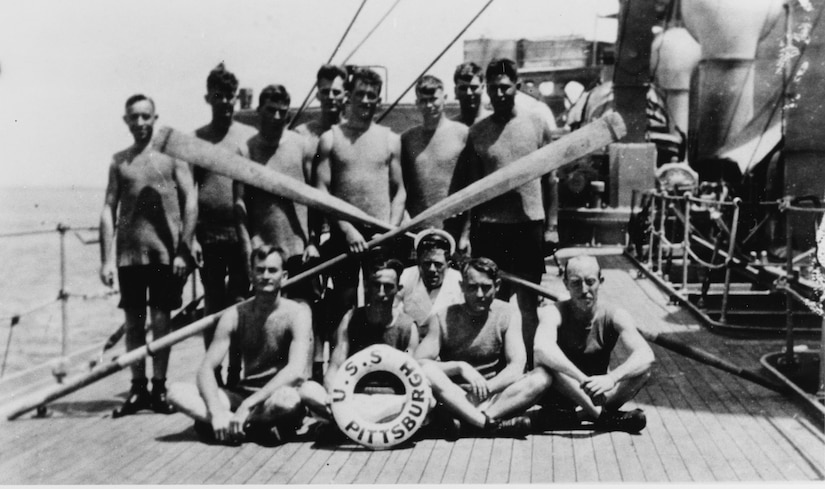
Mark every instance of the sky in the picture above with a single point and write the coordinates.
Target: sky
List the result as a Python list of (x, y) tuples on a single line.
[(66, 67)]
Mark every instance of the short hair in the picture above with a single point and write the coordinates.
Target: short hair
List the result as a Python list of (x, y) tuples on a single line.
[(222, 80), (138, 97), (502, 66), (467, 71), (483, 265), (262, 253), (388, 264), (273, 93), (580, 258), (331, 72), (428, 82), (367, 76)]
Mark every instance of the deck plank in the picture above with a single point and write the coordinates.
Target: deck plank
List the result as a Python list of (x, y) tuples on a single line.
[(521, 462), (628, 462), (261, 465), (227, 467), (498, 471), (673, 464), (437, 464), (417, 461), (542, 459), (354, 465), (479, 461), (325, 474), (459, 459), (607, 464), (369, 473), (564, 461), (395, 464), (585, 458)]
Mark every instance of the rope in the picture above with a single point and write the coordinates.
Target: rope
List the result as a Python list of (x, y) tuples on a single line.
[(15, 318), (380, 21), (334, 52), (46, 231), (381, 118)]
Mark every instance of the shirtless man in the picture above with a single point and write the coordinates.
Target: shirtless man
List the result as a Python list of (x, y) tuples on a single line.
[(430, 284), (150, 196), (266, 219), (509, 229), (469, 88), (377, 323), (473, 355), (574, 341), (224, 271), (274, 337), (429, 151), (359, 162)]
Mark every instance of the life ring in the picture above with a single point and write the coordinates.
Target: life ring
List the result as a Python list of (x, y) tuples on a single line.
[(352, 418)]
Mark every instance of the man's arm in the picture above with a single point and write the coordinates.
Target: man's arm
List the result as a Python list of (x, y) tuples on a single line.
[(189, 206), (314, 217), (242, 223), (515, 355), (340, 351), (398, 193), (219, 414), (464, 174), (546, 350), (107, 227), (412, 345)]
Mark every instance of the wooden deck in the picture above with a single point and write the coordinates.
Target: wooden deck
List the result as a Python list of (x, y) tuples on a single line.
[(703, 425)]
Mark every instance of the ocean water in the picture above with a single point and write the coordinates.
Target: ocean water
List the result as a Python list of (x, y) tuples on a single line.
[(31, 278)]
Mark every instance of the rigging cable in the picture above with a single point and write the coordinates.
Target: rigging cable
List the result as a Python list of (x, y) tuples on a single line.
[(382, 116), (315, 84), (377, 24)]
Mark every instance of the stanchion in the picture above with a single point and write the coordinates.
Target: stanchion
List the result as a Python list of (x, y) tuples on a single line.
[(686, 245), (729, 259), (789, 357)]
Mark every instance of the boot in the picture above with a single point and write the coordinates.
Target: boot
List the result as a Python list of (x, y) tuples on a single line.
[(138, 399), (158, 402)]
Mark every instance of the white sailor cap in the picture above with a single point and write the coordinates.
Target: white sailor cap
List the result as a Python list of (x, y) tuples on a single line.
[(437, 232)]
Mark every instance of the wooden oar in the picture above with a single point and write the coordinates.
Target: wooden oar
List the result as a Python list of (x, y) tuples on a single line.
[(565, 150)]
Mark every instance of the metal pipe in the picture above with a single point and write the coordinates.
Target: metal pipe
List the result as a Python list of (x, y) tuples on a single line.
[(789, 357), (661, 236), (686, 245), (820, 393), (731, 250), (650, 233), (63, 296)]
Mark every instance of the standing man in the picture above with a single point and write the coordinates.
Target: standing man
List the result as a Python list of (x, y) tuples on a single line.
[(574, 341), (509, 229), (274, 337), (377, 323), (430, 151), (266, 219), (224, 271), (150, 197), (359, 162), (469, 88), (473, 355), (430, 284)]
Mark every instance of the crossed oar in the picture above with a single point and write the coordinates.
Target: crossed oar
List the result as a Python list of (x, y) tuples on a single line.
[(569, 148)]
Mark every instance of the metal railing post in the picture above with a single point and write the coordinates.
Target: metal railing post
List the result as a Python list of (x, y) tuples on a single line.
[(686, 245), (661, 236), (650, 230), (63, 294), (789, 356), (731, 248)]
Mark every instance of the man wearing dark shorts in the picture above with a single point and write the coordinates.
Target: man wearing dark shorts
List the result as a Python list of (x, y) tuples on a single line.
[(509, 229), (224, 269), (574, 342), (150, 197)]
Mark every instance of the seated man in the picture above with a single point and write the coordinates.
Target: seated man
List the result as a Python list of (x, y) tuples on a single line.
[(474, 357), (431, 284), (375, 323), (574, 341), (274, 337)]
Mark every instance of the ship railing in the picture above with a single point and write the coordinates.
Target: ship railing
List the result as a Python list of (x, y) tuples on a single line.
[(665, 207)]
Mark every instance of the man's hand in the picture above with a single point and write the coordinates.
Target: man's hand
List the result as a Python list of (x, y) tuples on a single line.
[(464, 245), (357, 243), (310, 253), (236, 424), (180, 267), (197, 253), (478, 384), (220, 425), (107, 274), (597, 386)]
